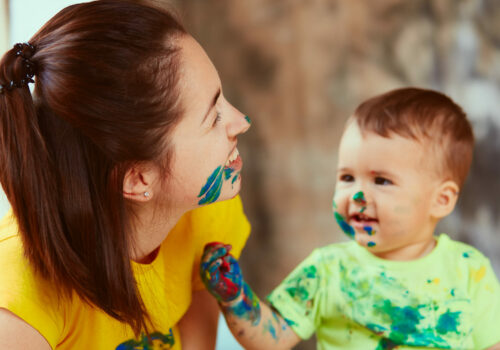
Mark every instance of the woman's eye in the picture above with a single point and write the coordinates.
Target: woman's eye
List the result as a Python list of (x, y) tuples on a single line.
[(217, 119), (382, 181), (347, 178)]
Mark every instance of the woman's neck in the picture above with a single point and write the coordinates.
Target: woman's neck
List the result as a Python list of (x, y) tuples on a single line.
[(150, 228)]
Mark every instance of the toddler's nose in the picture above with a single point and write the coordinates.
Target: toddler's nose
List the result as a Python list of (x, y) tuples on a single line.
[(359, 198)]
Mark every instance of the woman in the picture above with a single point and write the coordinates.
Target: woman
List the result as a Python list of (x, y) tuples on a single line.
[(127, 132)]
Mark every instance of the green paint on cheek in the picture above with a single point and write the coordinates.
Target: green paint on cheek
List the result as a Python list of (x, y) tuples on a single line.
[(448, 322)]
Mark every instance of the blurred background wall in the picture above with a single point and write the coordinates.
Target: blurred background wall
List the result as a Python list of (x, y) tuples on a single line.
[(299, 68)]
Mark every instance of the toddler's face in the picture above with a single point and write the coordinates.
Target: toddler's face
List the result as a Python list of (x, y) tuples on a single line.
[(384, 192)]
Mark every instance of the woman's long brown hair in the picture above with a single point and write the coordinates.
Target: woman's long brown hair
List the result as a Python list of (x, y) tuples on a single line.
[(105, 97)]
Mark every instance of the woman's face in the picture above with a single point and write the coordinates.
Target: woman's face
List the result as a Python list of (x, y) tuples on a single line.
[(206, 164)]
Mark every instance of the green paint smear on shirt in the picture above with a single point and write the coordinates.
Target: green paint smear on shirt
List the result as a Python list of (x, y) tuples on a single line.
[(303, 287), (448, 322), (404, 327)]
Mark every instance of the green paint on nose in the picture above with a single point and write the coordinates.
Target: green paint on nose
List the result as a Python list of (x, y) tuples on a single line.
[(247, 118), (359, 198)]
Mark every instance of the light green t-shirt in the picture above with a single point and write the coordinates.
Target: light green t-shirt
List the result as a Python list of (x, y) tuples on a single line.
[(449, 299)]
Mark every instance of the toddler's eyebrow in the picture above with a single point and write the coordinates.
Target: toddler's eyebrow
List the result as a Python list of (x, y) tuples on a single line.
[(382, 173)]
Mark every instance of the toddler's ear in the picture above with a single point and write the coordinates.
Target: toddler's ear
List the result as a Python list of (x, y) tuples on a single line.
[(445, 199)]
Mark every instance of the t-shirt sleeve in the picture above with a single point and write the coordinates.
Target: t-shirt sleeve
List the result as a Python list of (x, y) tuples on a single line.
[(297, 298), (486, 296), (25, 295), (218, 222)]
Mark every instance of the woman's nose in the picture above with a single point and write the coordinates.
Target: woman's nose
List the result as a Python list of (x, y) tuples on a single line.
[(238, 124)]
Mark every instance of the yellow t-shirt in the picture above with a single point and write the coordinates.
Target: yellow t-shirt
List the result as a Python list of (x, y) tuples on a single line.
[(166, 284)]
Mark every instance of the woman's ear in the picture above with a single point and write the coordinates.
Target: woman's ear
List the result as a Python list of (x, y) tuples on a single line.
[(138, 183), (445, 199)]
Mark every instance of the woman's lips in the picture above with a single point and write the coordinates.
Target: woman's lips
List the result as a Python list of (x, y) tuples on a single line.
[(234, 161)]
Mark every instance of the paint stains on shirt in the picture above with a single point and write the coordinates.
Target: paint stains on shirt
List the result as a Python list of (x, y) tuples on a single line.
[(478, 275)]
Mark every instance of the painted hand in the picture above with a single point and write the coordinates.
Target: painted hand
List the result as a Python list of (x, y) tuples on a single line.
[(220, 272)]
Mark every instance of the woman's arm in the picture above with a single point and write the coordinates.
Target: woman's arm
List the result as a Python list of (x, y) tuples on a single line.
[(198, 326), (254, 324), (15, 334)]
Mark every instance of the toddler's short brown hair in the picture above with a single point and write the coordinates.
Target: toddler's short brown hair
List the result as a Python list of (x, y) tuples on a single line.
[(426, 116)]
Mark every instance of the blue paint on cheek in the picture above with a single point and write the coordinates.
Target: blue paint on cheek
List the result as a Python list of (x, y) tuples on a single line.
[(214, 186), (346, 228)]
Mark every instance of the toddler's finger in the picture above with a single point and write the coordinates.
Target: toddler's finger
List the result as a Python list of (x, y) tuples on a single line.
[(214, 251)]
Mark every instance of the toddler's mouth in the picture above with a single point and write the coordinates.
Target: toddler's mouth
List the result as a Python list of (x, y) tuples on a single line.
[(360, 220)]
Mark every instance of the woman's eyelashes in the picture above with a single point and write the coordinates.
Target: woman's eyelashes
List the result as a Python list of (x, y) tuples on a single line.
[(217, 119)]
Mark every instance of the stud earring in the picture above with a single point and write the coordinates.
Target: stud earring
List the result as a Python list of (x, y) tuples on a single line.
[(146, 194)]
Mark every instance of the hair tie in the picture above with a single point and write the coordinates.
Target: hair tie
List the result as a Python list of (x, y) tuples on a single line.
[(25, 51)]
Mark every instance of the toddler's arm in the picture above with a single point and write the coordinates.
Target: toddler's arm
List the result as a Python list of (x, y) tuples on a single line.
[(253, 323)]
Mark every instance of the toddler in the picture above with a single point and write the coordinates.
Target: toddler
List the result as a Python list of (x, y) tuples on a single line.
[(403, 158)]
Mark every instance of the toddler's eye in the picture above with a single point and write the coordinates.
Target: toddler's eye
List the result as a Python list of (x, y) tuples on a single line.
[(346, 178), (382, 181)]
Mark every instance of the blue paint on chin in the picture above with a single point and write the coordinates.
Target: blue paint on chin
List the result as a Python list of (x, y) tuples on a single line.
[(227, 173), (371, 244), (235, 178)]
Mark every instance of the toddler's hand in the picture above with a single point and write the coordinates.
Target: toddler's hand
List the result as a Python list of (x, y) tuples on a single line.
[(220, 272)]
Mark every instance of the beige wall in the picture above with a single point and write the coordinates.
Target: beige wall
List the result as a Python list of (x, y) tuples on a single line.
[(4, 25)]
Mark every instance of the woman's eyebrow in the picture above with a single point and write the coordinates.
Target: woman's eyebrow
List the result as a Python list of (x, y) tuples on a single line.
[(214, 101)]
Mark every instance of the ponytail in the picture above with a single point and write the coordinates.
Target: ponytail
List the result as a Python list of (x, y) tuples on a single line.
[(105, 96)]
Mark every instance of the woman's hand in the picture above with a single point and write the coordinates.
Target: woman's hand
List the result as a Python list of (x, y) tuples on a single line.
[(220, 272)]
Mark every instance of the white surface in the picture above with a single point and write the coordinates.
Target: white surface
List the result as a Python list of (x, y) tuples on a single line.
[(26, 17)]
